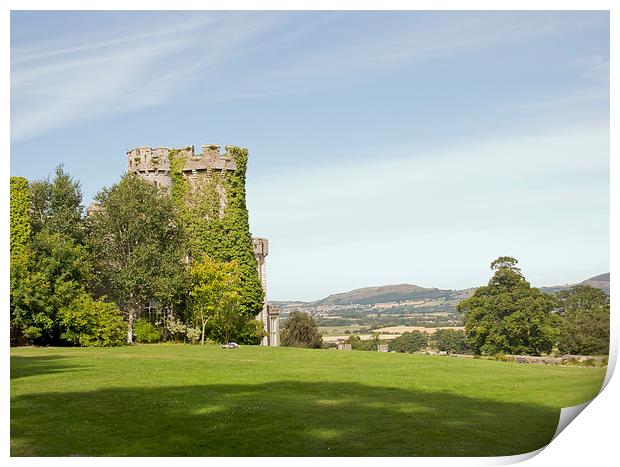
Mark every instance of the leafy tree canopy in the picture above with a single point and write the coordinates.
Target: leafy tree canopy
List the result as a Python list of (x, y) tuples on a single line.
[(409, 342), (585, 321), (300, 330), (508, 315), (136, 244), (214, 297), (450, 340)]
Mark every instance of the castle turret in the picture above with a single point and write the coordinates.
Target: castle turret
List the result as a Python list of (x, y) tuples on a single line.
[(153, 164)]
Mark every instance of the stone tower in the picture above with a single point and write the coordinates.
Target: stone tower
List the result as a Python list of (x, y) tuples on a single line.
[(153, 165)]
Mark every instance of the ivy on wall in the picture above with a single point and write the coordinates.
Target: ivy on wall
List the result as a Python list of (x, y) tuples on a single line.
[(215, 217), (21, 223)]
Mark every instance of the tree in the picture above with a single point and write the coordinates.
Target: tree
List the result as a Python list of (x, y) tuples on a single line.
[(450, 340), (584, 311), (300, 330), (409, 342), (136, 243), (509, 316), (214, 297), (367, 345), (20, 255), (56, 268), (57, 206)]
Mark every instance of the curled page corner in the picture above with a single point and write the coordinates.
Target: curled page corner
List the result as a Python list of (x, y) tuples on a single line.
[(567, 415)]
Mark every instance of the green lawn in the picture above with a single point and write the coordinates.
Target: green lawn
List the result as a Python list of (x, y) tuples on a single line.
[(178, 400)]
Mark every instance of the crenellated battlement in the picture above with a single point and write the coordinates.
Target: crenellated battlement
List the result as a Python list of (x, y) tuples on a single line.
[(146, 158), (153, 164)]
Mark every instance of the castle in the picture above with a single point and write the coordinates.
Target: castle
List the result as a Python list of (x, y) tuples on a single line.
[(154, 165)]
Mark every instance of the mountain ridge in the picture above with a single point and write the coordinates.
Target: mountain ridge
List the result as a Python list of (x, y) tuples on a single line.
[(407, 292)]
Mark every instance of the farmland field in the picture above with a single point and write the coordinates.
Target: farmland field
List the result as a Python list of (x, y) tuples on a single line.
[(181, 400)]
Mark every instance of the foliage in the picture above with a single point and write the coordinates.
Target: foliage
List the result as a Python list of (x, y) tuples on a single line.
[(357, 343), (217, 225), (300, 330), (450, 340), (21, 223), (146, 332), (214, 298), (21, 254), (137, 245), (57, 206), (509, 316), (58, 268), (251, 332), (92, 323), (409, 342), (585, 321)]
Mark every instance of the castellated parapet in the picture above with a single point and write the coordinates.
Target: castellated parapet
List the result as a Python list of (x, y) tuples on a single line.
[(153, 164)]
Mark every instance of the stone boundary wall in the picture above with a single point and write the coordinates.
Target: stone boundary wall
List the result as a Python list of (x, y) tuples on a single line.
[(563, 360)]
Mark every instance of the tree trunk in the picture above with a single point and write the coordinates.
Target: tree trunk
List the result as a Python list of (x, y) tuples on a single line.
[(202, 337), (130, 317)]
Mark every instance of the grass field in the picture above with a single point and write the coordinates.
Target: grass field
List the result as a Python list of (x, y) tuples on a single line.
[(177, 400)]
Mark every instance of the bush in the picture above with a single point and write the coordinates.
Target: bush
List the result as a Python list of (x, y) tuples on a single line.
[(450, 340), (409, 342), (300, 330), (251, 332), (146, 332), (92, 323), (369, 345)]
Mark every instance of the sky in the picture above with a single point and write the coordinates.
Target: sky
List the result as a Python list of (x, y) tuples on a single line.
[(385, 147)]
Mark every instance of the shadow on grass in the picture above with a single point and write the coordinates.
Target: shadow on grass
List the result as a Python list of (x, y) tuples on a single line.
[(283, 418), (22, 367)]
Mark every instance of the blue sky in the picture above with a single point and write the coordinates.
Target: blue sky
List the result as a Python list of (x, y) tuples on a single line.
[(386, 147)]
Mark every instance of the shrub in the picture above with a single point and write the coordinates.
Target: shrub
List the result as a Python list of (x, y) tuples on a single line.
[(368, 345), (92, 323), (300, 330), (409, 342), (251, 332), (146, 332), (450, 340)]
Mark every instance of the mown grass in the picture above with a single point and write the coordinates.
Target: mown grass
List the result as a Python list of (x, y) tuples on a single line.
[(181, 400)]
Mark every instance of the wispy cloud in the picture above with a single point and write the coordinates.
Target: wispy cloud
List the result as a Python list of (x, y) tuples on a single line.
[(237, 56), (120, 72)]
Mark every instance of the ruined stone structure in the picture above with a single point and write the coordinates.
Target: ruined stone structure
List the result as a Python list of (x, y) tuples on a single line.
[(153, 165), (269, 315)]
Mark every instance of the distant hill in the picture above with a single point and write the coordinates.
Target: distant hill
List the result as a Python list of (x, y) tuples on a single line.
[(410, 293), (598, 282), (384, 294)]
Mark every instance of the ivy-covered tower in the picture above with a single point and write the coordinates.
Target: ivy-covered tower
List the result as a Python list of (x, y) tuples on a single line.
[(209, 189)]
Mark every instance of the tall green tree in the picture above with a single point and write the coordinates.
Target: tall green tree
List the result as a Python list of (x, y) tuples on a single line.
[(215, 298), (20, 255), (508, 315), (585, 320), (136, 243), (58, 264)]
